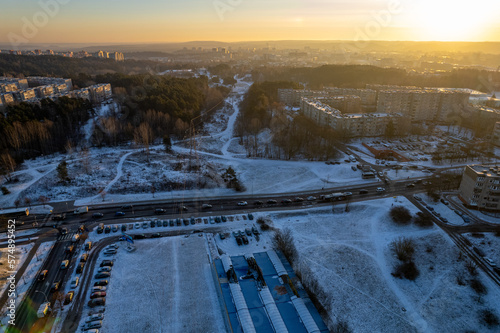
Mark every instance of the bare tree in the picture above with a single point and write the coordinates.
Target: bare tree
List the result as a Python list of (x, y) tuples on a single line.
[(43, 200), (143, 135), (27, 201), (103, 194)]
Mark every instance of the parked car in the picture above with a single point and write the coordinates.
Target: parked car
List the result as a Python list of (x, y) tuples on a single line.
[(97, 302), (114, 228), (245, 239), (165, 223), (124, 227), (101, 283), (98, 294), (107, 229), (102, 275), (137, 225), (157, 235), (106, 263), (139, 236), (238, 240), (242, 203), (84, 257), (64, 264), (94, 317), (55, 286), (79, 268), (98, 288)]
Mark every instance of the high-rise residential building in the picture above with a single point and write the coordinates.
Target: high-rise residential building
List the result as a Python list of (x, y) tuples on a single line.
[(480, 187)]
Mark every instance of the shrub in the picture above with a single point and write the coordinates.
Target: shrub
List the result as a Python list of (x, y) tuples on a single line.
[(403, 248), (489, 318), (471, 267), (264, 227), (5, 190), (400, 215), (261, 220), (478, 286), (341, 327), (283, 241), (407, 270), (423, 220)]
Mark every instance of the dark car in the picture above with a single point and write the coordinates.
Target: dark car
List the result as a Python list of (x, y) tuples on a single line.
[(120, 214), (183, 208), (69, 297), (286, 201), (127, 207), (245, 239), (98, 294), (152, 224), (101, 283), (97, 215), (124, 227), (238, 240), (157, 235), (97, 302), (42, 275), (298, 199), (139, 236), (363, 192), (258, 203), (160, 211), (223, 218), (272, 201), (70, 249), (106, 263), (165, 223), (107, 229), (217, 219), (171, 223), (185, 221), (64, 231), (55, 286), (192, 220), (250, 216), (79, 268), (59, 217), (103, 275)]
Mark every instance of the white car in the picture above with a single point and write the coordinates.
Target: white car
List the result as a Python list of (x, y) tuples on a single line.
[(137, 225), (94, 317), (347, 194), (311, 198), (380, 190), (145, 224), (104, 269), (242, 203), (112, 246), (98, 288), (75, 281), (490, 262)]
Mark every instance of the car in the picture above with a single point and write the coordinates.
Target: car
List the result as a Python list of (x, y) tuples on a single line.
[(248, 232), (110, 251), (347, 194), (69, 297), (102, 275), (145, 225), (98, 294), (410, 185), (217, 219), (98, 288), (104, 269), (444, 219), (459, 213), (152, 224), (97, 215), (127, 207), (64, 231), (106, 263), (242, 203), (165, 223), (223, 218), (101, 283), (466, 219), (120, 213), (70, 249), (178, 222), (206, 206), (445, 202), (245, 239), (139, 236), (255, 231), (74, 282), (490, 262), (114, 228), (183, 208), (258, 203), (272, 201), (59, 217), (124, 227), (171, 223), (380, 189), (107, 229), (222, 236), (298, 199), (157, 235), (239, 241), (250, 216), (416, 197), (96, 302), (94, 317), (64, 264), (354, 168), (55, 286), (159, 211), (192, 221), (137, 225), (79, 268), (42, 275), (363, 191), (84, 257), (286, 201)]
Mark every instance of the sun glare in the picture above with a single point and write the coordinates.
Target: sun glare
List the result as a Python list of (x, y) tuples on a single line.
[(449, 20)]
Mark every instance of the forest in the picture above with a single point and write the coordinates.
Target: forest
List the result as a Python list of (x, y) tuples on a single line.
[(356, 76)]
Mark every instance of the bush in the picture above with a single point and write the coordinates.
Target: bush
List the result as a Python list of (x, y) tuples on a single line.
[(489, 318), (341, 327), (264, 227), (400, 215), (261, 220), (471, 267), (423, 220), (283, 241), (407, 270), (403, 248), (5, 190), (478, 286)]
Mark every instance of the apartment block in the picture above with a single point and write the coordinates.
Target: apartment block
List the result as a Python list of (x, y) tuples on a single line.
[(44, 91), (7, 98), (480, 187), (100, 92)]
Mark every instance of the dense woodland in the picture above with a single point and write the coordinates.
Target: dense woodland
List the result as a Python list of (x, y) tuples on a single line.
[(354, 76)]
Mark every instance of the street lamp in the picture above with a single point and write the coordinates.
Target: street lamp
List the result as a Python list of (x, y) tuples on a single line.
[(41, 292)]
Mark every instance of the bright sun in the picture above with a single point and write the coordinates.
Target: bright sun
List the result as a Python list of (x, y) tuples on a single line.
[(452, 20)]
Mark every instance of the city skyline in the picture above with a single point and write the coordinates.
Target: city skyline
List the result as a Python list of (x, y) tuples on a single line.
[(153, 21)]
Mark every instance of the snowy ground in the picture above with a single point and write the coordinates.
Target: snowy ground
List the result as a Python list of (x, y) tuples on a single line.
[(445, 210), (20, 254), (488, 243), (29, 275), (166, 285), (350, 256)]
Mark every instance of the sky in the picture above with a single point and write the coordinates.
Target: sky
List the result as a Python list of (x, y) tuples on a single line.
[(156, 21)]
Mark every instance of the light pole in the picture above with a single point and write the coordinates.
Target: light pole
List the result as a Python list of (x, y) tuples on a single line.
[(41, 292)]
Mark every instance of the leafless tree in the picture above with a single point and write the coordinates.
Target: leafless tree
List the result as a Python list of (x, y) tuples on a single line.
[(143, 135), (43, 200)]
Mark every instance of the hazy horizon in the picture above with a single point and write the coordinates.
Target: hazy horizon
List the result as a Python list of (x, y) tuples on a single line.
[(152, 22)]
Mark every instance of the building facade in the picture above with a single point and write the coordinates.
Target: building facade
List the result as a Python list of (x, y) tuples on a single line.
[(480, 187)]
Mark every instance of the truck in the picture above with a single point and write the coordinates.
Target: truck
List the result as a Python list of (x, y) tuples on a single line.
[(43, 310), (81, 210)]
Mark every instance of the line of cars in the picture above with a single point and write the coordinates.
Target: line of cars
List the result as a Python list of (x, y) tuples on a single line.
[(241, 237), (98, 293)]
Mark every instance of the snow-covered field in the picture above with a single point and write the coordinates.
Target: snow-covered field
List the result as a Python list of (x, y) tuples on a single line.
[(20, 254), (166, 285), (350, 256), (488, 243)]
